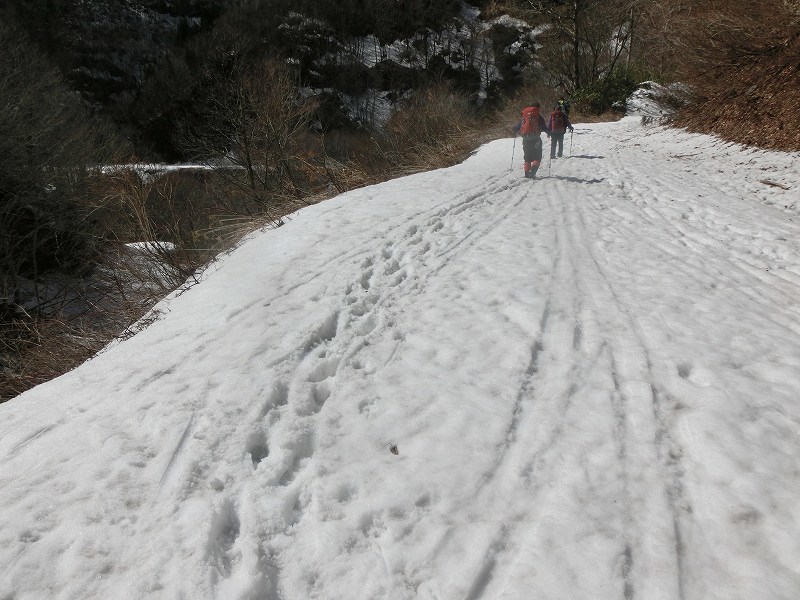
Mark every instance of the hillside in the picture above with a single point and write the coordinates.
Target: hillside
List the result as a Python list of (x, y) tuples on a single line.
[(746, 83)]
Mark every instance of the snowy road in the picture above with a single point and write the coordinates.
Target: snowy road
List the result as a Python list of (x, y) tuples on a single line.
[(591, 382)]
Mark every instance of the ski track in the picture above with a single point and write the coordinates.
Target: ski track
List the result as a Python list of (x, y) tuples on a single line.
[(594, 480)]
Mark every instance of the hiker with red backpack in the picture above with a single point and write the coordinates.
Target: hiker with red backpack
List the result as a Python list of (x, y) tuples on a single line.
[(530, 128), (559, 123)]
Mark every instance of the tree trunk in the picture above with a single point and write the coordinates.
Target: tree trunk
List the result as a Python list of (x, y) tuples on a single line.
[(576, 42)]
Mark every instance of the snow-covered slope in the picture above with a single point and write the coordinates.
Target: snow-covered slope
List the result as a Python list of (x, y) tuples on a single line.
[(456, 385)]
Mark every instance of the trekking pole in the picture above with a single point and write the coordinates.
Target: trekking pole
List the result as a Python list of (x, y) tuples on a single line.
[(549, 165), (570, 141), (514, 147)]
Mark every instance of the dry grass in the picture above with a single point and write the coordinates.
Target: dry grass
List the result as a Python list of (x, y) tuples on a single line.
[(745, 70), (756, 103), (32, 352), (82, 315), (435, 128)]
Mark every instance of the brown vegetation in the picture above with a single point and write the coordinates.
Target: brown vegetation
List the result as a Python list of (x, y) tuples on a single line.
[(740, 60), (743, 66)]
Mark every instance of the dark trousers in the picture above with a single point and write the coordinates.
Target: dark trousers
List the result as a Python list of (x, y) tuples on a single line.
[(532, 148), (556, 139)]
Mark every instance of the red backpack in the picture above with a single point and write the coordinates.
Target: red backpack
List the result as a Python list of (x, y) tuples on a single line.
[(530, 121), (557, 119)]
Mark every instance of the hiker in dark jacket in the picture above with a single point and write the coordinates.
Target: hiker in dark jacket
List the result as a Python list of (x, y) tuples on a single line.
[(530, 128), (559, 123), (564, 104)]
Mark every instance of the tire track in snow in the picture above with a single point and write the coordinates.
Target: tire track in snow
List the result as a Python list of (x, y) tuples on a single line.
[(510, 547), (660, 436), (522, 459), (525, 389), (568, 368), (542, 465), (618, 402)]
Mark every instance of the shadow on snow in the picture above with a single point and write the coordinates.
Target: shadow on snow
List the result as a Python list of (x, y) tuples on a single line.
[(576, 179)]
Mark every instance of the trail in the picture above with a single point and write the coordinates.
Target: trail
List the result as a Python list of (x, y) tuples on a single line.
[(590, 380)]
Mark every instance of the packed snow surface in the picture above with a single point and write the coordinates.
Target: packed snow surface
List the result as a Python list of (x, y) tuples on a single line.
[(460, 384)]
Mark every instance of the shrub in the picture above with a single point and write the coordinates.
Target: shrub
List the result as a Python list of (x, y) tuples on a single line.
[(608, 93), (432, 120), (255, 122)]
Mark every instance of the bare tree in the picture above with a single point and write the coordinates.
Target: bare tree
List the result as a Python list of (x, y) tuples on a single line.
[(250, 133), (583, 41)]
